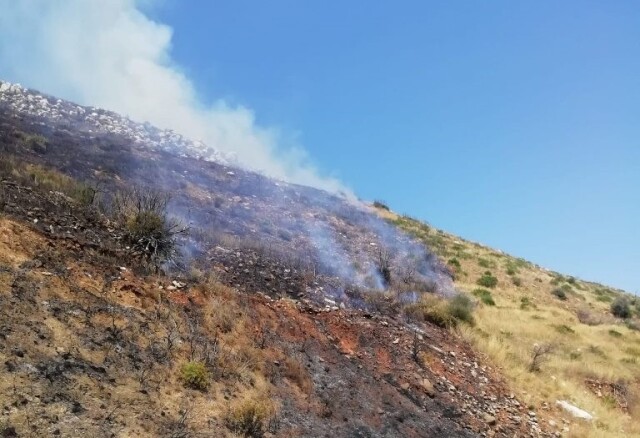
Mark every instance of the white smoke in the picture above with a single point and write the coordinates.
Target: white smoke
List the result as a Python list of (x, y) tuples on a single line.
[(107, 53)]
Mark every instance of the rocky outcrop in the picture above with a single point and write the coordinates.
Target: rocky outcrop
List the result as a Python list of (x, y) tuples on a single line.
[(96, 121)]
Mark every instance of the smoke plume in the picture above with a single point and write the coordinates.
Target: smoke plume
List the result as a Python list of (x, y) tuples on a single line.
[(110, 54)]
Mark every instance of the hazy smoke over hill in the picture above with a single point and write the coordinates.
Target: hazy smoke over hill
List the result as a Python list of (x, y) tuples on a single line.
[(109, 54)]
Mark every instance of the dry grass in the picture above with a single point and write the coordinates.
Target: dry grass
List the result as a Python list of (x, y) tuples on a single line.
[(297, 373), (46, 179), (200, 372), (589, 343), (251, 415)]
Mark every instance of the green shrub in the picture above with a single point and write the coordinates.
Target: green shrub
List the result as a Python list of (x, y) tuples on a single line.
[(525, 303), (487, 280), (145, 223), (454, 262), (567, 288), (620, 308), (194, 374), (381, 205), (513, 267), (559, 293), (461, 308), (517, 281), (485, 296)]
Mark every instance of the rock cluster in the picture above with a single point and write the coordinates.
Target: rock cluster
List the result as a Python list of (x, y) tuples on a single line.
[(97, 121)]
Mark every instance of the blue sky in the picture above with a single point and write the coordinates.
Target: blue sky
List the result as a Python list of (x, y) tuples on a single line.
[(516, 124), (511, 123)]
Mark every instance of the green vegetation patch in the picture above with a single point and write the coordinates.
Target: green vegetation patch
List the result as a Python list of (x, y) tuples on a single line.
[(564, 329), (461, 308), (485, 296), (487, 280), (194, 374), (484, 263), (597, 351), (454, 262), (615, 333), (526, 304), (381, 205), (47, 180)]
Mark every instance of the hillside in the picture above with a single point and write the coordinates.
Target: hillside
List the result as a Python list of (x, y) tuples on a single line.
[(151, 288), (595, 356), (93, 344)]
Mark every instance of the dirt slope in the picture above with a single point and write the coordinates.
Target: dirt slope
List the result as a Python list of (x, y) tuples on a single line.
[(88, 348)]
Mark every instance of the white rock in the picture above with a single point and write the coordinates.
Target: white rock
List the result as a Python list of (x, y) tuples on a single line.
[(574, 410)]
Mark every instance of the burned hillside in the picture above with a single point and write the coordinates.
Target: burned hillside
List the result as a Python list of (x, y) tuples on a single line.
[(340, 241), (91, 349), (282, 316)]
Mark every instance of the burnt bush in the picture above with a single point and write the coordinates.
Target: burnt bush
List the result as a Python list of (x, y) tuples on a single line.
[(148, 229), (384, 266), (540, 354), (35, 142)]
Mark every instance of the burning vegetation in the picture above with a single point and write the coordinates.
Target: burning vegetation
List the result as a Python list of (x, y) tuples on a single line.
[(325, 248)]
